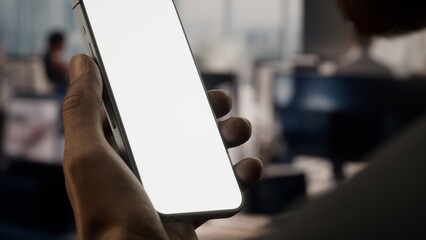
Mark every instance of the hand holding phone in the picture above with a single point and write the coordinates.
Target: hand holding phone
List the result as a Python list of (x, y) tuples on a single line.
[(158, 110), (108, 200)]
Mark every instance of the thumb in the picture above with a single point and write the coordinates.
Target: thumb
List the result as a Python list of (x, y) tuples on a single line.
[(82, 107)]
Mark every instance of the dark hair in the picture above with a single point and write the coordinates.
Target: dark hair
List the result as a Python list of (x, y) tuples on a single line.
[(56, 38), (385, 17)]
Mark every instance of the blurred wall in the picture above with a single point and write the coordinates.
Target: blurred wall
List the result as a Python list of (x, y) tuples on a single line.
[(405, 55), (266, 28), (325, 31), (25, 24)]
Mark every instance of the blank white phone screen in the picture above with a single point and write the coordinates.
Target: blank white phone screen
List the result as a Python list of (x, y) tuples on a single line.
[(171, 129)]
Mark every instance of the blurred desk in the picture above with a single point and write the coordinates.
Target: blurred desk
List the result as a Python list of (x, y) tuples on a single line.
[(239, 227), (32, 129)]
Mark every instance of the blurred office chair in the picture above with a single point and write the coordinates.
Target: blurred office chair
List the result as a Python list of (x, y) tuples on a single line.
[(34, 202), (344, 119)]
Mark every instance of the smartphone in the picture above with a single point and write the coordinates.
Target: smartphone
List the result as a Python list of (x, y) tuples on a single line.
[(158, 108)]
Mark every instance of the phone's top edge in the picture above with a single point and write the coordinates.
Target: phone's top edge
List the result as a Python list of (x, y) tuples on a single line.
[(74, 3)]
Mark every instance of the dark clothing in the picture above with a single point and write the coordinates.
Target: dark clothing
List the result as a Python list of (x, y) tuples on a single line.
[(55, 75), (386, 201)]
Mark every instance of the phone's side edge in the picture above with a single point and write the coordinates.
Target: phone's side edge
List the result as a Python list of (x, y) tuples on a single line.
[(111, 108)]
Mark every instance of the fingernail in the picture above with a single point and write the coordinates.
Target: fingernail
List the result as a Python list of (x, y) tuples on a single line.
[(77, 67)]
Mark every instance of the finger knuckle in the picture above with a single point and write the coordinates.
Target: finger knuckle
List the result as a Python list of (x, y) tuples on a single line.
[(77, 161), (73, 162), (75, 102), (72, 102)]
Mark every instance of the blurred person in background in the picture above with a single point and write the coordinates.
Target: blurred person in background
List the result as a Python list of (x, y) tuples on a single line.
[(358, 62), (56, 69), (386, 201)]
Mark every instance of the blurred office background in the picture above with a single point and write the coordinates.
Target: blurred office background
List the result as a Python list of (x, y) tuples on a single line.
[(320, 96)]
